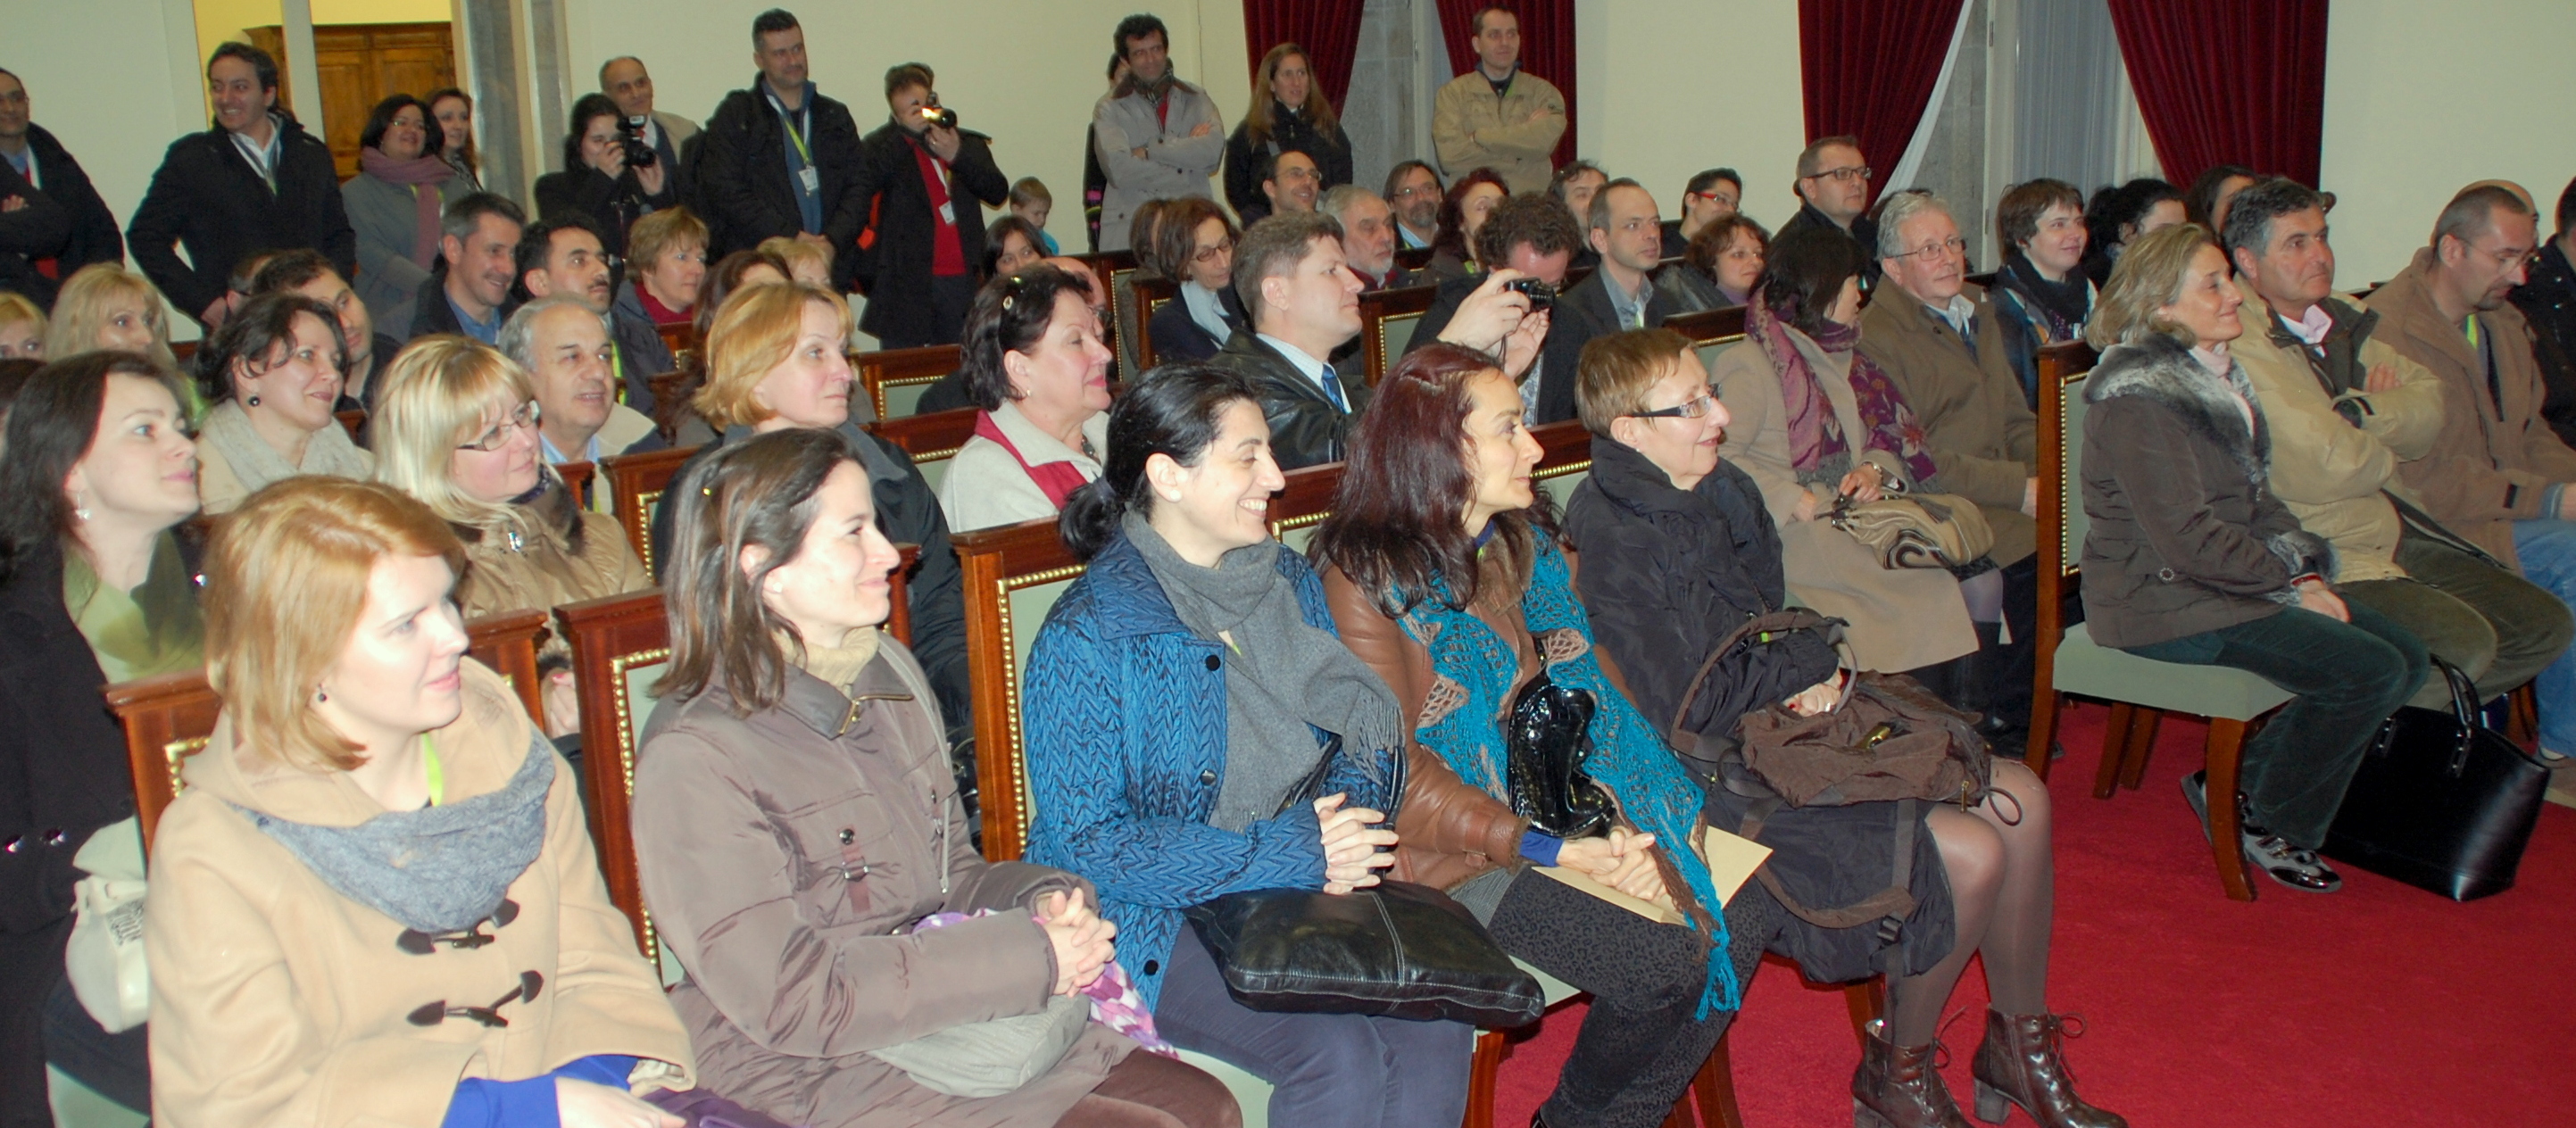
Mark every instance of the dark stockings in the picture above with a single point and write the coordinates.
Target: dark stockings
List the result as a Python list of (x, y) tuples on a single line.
[(2004, 891)]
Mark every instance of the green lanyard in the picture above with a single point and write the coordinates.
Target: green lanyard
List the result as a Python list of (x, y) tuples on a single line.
[(437, 771), (2472, 330), (793, 133)]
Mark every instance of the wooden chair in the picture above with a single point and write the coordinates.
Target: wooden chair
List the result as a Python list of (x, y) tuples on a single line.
[(635, 485), (2141, 690), (896, 378), (169, 718), (930, 439), (577, 477), (1387, 318), (678, 338), (671, 391), (1152, 294), (353, 421), (1127, 319)]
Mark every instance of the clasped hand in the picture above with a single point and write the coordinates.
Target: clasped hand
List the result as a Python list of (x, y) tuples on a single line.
[(1353, 853), (1622, 859), (1080, 937)]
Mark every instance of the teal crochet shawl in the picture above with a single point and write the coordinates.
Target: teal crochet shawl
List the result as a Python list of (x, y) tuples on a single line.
[(1628, 756)]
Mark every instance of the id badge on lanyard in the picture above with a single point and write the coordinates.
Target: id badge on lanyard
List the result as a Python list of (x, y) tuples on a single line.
[(809, 180)]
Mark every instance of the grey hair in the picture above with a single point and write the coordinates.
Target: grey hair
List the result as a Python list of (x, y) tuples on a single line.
[(1339, 198), (518, 339), (1901, 208)]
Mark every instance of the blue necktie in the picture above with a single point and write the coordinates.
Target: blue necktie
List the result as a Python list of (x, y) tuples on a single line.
[(1333, 390)]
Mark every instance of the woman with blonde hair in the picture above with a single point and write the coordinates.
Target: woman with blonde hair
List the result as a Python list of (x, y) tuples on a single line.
[(274, 374), (1290, 113), (375, 901), (774, 361), (106, 306), (456, 428), (22, 328)]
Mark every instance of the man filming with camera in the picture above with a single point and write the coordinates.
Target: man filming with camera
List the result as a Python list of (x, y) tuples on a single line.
[(927, 183)]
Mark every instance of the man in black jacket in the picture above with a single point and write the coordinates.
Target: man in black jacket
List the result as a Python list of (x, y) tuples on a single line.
[(564, 256), (478, 268), (781, 161), (1530, 235), (1833, 194), (255, 181), (926, 184), (1305, 303), (59, 224), (2548, 301), (1622, 226)]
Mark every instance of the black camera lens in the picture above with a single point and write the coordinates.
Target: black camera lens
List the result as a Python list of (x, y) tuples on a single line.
[(631, 135), (1541, 295), (940, 116)]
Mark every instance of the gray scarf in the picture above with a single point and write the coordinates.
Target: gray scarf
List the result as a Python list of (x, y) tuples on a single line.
[(1281, 675), (227, 429), (437, 869)]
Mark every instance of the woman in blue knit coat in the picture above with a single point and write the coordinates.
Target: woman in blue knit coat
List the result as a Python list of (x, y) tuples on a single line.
[(1195, 729)]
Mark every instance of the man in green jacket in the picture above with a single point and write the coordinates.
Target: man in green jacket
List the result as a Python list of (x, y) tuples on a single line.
[(1498, 116)]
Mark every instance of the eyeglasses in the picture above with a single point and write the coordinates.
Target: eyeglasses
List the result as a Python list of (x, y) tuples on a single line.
[(1207, 256), (1844, 173), (1417, 190), (1694, 409), (1929, 252), (499, 435)]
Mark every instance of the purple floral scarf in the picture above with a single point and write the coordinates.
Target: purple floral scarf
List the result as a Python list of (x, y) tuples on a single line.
[(1816, 440)]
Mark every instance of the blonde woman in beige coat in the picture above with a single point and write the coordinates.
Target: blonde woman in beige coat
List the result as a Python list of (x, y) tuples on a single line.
[(376, 903)]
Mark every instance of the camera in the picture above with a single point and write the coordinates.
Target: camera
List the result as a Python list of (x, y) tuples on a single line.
[(1541, 295), (938, 115), (631, 134)]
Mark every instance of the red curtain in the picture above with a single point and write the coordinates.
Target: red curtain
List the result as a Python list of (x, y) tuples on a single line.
[(1870, 66), (2228, 82), (1547, 47), (1329, 30)]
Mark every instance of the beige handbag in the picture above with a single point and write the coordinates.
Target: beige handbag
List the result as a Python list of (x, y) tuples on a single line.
[(1915, 530)]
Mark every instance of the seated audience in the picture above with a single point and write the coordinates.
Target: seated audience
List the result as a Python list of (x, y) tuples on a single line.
[(394, 204), (1531, 237), (1368, 236), (2041, 295), (1833, 195), (106, 306), (666, 259), (1719, 267), (22, 328), (2547, 300), (1305, 303), (790, 723), (1123, 792), (1462, 215), (565, 256), (924, 189), (2497, 475), (1944, 351), (562, 346), (1626, 236), (2206, 202), (1193, 244), (454, 110), (1296, 117), (1030, 203), (1574, 186), (1816, 420), (1289, 183), (1681, 553), (2122, 212), (2344, 410), (1413, 189), (1444, 572), (478, 270), (733, 272), (272, 374), (1012, 245), (2192, 559), (1034, 362), (60, 224), (94, 589), (366, 773), (458, 431), (1710, 196), (775, 362), (597, 183), (1156, 137), (309, 274)]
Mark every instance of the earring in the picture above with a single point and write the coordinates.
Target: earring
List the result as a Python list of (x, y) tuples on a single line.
[(80, 511), (254, 401), (320, 695)]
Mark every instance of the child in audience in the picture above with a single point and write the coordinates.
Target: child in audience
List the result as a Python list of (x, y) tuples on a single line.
[(1030, 201)]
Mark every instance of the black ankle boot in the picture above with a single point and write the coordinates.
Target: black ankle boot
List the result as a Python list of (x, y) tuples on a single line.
[(1999, 689)]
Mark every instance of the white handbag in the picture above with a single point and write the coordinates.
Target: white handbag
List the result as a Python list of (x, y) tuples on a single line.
[(104, 957)]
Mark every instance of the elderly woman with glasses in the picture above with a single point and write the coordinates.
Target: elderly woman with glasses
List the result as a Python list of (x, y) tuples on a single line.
[(1037, 370)]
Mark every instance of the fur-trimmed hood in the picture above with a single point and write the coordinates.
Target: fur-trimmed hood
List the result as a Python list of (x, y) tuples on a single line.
[(2163, 369)]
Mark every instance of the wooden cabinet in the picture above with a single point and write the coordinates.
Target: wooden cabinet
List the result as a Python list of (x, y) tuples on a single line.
[(360, 65)]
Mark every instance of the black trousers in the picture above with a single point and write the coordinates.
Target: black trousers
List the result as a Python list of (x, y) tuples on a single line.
[(949, 297), (31, 964), (116, 1066), (1641, 1043)]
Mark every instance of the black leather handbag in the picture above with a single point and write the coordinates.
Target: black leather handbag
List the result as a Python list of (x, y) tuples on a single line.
[(2441, 802), (1545, 742), (1395, 948)]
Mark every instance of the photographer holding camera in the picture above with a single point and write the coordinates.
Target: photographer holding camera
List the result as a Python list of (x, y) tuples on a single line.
[(610, 175), (927, 182), (1526, 243)]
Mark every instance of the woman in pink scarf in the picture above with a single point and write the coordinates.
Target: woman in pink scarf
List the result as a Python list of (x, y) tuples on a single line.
[(394, 202)]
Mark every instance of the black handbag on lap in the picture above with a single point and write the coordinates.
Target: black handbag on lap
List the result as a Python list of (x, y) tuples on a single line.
[(2441, 802)]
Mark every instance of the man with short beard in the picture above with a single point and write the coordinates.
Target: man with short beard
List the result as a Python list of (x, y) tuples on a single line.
[(1414, 191), (1368, 236), (1157, 137)]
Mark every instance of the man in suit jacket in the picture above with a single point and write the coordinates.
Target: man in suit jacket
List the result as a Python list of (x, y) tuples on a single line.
[(671, 136), (1305, 303), (1527, 236), (60, 225), (780, 160), (1623, 228), (926, 186), (256, 181)]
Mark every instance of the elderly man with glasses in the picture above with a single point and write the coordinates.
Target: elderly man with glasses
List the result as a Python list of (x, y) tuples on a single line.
[(1833, 191), (1937, 337)]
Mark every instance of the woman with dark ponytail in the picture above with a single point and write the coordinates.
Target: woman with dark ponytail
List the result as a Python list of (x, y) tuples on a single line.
[(1181, 696)]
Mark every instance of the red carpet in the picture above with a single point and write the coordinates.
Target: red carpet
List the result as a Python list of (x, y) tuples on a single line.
[(2380, 1005)]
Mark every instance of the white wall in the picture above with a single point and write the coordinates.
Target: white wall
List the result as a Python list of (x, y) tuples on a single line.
[(1670, 87), (2422, 99), (1024, 71)]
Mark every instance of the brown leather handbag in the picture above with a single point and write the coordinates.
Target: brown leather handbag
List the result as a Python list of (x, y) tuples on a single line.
[(1915, 530)]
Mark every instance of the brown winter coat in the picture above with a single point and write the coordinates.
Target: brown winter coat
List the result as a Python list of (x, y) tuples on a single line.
[(2493, 460), (278, 1001), (558, 555), (1980, 431), (748, 831)]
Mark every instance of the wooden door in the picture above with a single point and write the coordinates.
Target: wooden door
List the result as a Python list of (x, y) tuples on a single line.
[(362, 64)]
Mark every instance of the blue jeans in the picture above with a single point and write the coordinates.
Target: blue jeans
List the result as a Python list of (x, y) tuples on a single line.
[(2548, 552), (2348, 677)]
